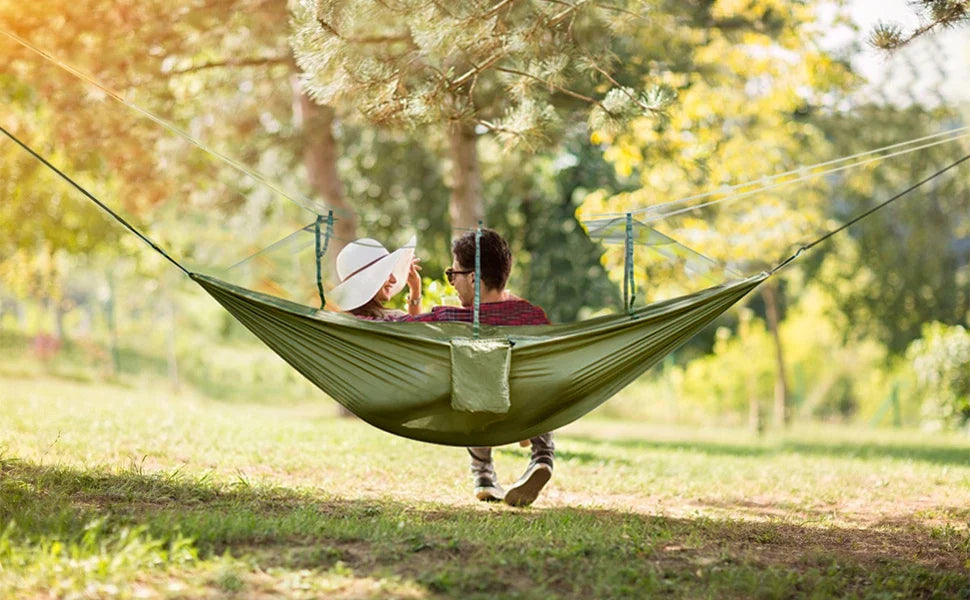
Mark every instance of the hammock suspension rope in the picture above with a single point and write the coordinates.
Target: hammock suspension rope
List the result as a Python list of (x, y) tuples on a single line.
[(865, 214), (91, 197), (802, 178), (804, 173), (476, 310), (320, 250), (629, 284)]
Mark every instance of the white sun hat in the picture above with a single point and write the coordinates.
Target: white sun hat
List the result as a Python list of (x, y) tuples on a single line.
[(363, 267)]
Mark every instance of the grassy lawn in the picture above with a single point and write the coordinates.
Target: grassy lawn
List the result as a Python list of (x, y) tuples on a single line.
[(110, 490)]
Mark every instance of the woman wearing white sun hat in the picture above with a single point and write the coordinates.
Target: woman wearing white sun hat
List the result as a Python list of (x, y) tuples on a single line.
[(370, 276)]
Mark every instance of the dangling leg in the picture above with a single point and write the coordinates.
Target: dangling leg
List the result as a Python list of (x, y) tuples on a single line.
[(524, 491), (487, 488)]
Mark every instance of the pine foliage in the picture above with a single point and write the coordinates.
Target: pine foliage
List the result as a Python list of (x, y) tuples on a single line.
[(933, 14), (515, 68)]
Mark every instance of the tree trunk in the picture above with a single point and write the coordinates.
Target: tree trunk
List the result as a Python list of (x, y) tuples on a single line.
[(85, 328), (320, 159), (21, 313), (59, 331), (755, 420), (770, 294), (467, 206)]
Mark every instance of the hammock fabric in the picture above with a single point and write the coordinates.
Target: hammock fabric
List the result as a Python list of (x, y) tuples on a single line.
[(398, 376)]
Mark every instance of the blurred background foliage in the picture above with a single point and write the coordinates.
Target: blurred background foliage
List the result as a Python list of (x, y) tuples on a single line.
[(603, 108)]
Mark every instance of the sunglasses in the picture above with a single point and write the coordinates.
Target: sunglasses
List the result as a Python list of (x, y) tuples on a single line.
[(450, 274)]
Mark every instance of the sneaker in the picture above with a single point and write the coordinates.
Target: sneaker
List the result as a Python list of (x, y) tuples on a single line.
[(488, 490), (525, 491)]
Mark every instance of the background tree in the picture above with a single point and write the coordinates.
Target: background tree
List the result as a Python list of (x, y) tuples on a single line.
[(40, 221), (232, 90), (908, 264), (748, 78), (221, 70)]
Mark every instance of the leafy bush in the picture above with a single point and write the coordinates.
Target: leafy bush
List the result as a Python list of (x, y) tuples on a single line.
[(434, 292), (941, 360), (829, 378)]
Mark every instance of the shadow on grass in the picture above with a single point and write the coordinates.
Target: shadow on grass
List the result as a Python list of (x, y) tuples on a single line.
[(482, 551), (943, 455)]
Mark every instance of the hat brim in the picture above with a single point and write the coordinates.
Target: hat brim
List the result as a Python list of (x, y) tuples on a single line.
[(358, 289)]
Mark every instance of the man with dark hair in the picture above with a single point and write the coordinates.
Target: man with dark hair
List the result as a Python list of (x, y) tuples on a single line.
[(496, 258), (496, 307)]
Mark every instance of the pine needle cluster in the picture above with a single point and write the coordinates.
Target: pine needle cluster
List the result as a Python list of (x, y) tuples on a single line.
[(933, 14)]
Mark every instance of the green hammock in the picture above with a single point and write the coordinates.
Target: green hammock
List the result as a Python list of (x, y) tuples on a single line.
[(407, 379), (447, 383)]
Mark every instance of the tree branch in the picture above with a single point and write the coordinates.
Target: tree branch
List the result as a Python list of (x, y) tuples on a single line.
[(372, 39), (443, 8), (555, 19), (474, 71), (495, 9), (235, 62), (559, 88), (619, 9), (471, 90), (382, 39), (329, 28), (604, 72), (900, 41), (602, 5), (499, 129)]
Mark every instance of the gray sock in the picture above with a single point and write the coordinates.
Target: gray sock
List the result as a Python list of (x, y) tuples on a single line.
[(483, 469), (543, 449)]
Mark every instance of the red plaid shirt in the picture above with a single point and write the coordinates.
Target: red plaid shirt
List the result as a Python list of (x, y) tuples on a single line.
[(507, 312)]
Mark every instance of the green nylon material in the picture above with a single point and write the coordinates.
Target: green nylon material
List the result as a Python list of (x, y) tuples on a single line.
[(480, 375), (397, 376)]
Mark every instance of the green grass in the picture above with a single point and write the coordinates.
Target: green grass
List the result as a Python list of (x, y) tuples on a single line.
[(131, 492)]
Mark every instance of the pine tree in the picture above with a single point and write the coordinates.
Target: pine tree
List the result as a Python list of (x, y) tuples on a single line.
[(515, 69)]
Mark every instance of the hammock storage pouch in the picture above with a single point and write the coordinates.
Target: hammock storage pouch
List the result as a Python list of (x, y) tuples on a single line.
[(480, 375)]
